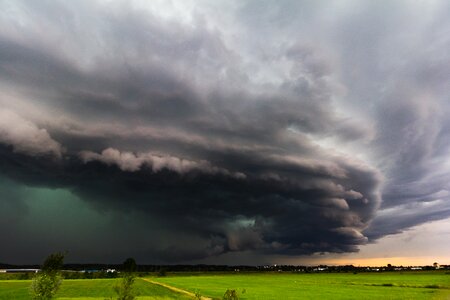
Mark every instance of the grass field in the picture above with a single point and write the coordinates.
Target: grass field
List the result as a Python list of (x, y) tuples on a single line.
[(408, 285), (87, 289), (423, 285)]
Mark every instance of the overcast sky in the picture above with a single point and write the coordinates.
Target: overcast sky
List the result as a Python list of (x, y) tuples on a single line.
[(223, 131)]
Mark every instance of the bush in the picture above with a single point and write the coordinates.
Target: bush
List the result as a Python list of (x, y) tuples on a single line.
[(44, 286), (47, 282), (230, 295), (162, 273), (124, 288), (24, 276)]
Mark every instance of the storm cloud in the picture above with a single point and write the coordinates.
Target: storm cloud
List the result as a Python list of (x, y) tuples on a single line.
[(286, 128)]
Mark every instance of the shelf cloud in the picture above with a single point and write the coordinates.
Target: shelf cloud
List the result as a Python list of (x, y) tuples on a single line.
[(289, 128)]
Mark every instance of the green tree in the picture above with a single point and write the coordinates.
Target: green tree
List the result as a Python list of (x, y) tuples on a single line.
[(47, 282), (124, 288)]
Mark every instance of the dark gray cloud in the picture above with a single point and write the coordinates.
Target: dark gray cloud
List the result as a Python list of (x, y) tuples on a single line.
[(273, 128), (298, 208)]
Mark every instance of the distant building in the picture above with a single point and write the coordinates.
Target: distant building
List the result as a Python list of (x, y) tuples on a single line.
[(19, 270)]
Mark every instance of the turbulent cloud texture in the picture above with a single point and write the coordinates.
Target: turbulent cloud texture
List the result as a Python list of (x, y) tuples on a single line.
[(288, 127)]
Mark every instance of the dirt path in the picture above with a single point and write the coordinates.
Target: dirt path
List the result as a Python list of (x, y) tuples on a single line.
[(175, 289)]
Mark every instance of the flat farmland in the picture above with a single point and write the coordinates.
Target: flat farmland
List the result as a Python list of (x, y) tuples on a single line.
[(408, 285), (389, 285), (87, 289)]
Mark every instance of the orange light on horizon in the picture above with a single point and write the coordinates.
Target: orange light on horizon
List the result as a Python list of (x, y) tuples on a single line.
[(383, 261)]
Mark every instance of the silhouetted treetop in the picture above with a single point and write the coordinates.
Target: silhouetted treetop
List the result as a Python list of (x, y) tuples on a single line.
[(129, 265), (53, 263)]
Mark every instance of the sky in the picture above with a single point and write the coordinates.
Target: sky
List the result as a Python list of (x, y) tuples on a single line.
[(225, 132)]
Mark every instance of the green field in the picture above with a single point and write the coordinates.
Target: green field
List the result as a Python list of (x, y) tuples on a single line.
[(423, 285), (408, 285), (87, 289)]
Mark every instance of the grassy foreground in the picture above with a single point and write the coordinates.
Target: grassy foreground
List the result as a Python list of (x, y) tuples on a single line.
[(408, 285), (87, 289)]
